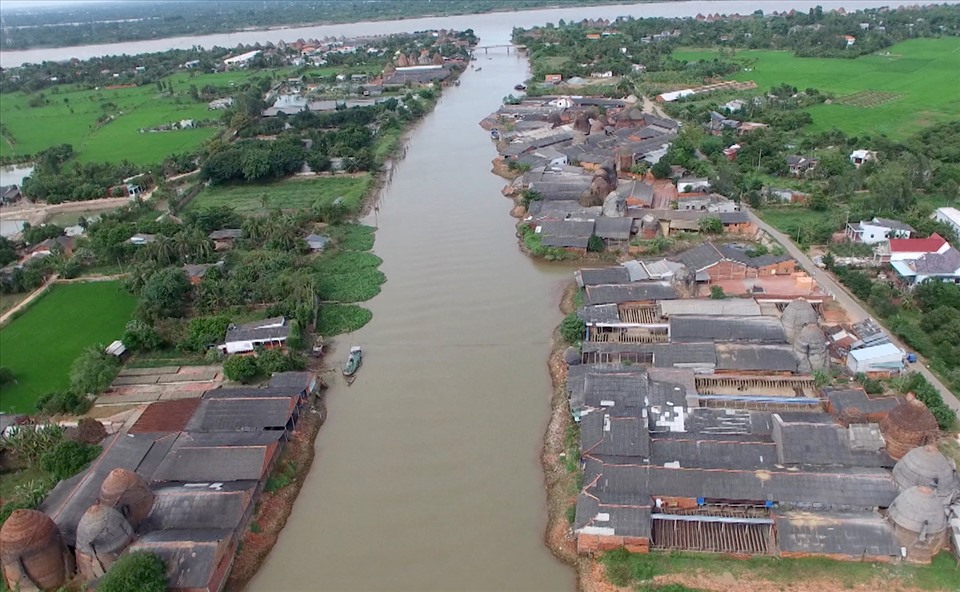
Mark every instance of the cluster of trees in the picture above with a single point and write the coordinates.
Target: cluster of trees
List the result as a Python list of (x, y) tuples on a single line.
[(99, 71), (245, 369), (56, 179), (254, 160), (54, 453)]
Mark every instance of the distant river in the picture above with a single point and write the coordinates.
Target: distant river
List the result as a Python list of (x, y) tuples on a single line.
[(493, 28)]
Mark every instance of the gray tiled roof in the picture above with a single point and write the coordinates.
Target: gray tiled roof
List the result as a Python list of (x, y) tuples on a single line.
[(191, 556), (235, 414), (621, 394), (616, 274), (740, 255), (821, 444), (841, 399), (179, 507), (832, 533), (944, 263), (633, 292), (567, 188), (713, 454), (601, 313), (712, 328), (700, 257), (768, 358), (187, 463), (226, 233), (603, 434), (860, 489), (614, 228), (257, 330)]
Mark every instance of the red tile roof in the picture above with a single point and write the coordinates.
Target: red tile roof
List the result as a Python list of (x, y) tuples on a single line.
[(166, 416), (931, 244)]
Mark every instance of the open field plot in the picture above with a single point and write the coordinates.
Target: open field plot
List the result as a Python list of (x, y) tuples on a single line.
[(70, 117), (40, 345), (288, 194), (770, 573), (920, 72)]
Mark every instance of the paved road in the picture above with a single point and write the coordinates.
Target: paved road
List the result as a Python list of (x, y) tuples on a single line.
[(854, 309)]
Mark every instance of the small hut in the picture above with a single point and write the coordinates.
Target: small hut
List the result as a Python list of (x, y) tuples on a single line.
[(908, 425), (796, 316), (102, 535), (927, 466), (32, 554), (920, 523), (128, 493)]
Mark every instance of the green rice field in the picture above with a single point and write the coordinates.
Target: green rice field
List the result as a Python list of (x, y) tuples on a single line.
[(288, 194), (40, 345), (69, 115), (911, 85)]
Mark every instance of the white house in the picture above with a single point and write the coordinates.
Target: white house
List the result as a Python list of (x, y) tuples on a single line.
[(949, 216), (242, 59), (733, 106), (858, 157), (877, 230), (268, 333), (691, 184), (885, 358)]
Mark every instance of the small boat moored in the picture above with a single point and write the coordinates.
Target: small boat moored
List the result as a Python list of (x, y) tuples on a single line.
[(519, 87), (495, 134), (353, 362)]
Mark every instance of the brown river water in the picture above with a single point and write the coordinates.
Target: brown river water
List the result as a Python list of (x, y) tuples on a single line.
[(427, 473)]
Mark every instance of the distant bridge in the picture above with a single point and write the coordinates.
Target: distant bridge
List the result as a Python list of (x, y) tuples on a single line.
[(509, 46)]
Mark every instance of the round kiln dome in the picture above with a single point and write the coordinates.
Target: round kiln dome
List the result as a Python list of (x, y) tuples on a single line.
[(916, 509), (103, 530), (127, 492), (31, 551), (925, 465)]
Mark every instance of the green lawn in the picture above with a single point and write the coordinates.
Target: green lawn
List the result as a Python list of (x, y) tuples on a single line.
[(915, 80), (293, 193), (69, 116), (41, 344)]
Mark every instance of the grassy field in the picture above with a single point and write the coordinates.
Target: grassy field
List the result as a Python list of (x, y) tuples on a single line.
[(941, 575), (294, 193), (40, 345), (70, 117), (908, 87)]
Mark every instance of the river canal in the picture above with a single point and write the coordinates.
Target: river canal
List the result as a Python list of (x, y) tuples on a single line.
[(427, 474)]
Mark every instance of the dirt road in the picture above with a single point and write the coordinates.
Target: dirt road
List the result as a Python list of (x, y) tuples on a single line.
[(854, 309)]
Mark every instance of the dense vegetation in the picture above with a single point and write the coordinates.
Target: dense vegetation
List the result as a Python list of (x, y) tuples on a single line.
[(135, 572), (44, 454)]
